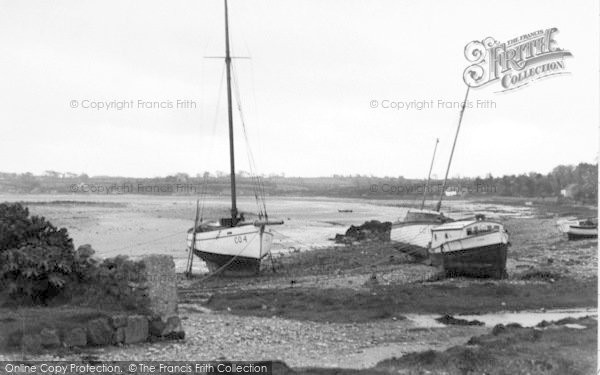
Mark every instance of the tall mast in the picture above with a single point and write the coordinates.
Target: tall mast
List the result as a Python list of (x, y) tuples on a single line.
[(234, 211), (462, 111), (429, 175)]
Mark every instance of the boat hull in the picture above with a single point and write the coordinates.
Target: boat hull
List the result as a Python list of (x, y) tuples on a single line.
[(412, 238), (579, 233), (478, 256), (575, 231), (233, 251)]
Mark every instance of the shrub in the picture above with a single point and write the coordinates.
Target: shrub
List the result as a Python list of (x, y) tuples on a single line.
[(37, 260)]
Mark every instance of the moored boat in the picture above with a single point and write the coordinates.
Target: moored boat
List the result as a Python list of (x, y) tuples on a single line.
[(471, 248), (577, 229), (232, 245), (413, 234), (237, 249)]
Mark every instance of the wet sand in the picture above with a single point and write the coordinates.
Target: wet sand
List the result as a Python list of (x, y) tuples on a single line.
[(346, 306)]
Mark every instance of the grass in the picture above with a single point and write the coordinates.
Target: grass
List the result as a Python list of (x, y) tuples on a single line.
[(512, 350), (381, 302)]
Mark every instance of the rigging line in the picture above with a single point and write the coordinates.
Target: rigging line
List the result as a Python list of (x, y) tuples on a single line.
[(212, 135), (249, 154), (257, 181)]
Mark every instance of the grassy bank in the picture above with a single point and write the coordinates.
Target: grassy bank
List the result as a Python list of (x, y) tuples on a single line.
[(507, 350), (388, 301)]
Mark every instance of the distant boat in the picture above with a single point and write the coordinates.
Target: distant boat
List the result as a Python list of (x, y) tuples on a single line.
[(471, 248), (231, 245), (345, 211), (577, 229)]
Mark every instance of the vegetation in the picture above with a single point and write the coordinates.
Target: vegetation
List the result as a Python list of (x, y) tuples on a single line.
[(573, 182), (38, 263), (37, 260)]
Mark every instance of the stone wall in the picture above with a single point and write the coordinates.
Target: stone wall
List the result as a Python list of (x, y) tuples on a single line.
[(153, 287)]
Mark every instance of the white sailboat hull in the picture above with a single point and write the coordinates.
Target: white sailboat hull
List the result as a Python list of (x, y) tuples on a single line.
[(245, 241), (414, 234), (474, 242)]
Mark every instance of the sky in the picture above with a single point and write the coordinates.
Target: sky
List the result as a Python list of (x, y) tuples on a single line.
[(310, 73)]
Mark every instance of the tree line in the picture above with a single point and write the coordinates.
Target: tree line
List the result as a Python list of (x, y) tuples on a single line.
[(577, 182)]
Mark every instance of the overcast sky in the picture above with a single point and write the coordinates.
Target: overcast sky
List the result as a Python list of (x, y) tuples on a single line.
[(314, 68)]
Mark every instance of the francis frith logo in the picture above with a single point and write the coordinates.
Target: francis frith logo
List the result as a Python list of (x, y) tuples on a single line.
[(515, 63)]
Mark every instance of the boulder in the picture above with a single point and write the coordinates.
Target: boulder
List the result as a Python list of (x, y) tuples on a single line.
[(99, 332), (167, 328), (157, 326), (75, 337), (136, 329), (50, 338), (373, 230)]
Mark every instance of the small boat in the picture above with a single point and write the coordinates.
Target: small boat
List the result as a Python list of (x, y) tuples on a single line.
[(471, 248), (232, 245), (577, 229), (345, 211)]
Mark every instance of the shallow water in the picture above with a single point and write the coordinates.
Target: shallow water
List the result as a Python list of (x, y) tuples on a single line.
[(524, 318)]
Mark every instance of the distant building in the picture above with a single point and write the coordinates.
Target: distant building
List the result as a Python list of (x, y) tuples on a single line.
[(570, 191)]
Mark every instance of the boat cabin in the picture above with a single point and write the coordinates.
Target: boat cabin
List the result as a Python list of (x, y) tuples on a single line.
[(461, 230)]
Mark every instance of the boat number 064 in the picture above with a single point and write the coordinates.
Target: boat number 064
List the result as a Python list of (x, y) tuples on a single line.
[(240, 239)]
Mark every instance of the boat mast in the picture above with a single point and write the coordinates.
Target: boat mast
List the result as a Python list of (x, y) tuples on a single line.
[(429, 175), (462, 111), (234, 212)]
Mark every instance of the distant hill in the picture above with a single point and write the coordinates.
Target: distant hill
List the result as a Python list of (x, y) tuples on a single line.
[(578, 182)]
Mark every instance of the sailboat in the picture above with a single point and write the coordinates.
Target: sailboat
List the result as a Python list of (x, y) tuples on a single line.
[(232, 244), (413, 233), (468, 247)]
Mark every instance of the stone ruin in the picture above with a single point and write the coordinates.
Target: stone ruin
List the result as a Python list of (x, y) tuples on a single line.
[(155, 289)]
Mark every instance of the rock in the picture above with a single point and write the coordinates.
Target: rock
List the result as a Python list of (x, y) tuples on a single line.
[(369, 231), (119, 335), (31, 343), (498, 329), (170, 327), (99, 332), (49, 338), (161, 284), (75, 337), (85, 251), (173, 325), (136, 329), (157, 326), (450, 320), (118, 321), (543, 324)]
